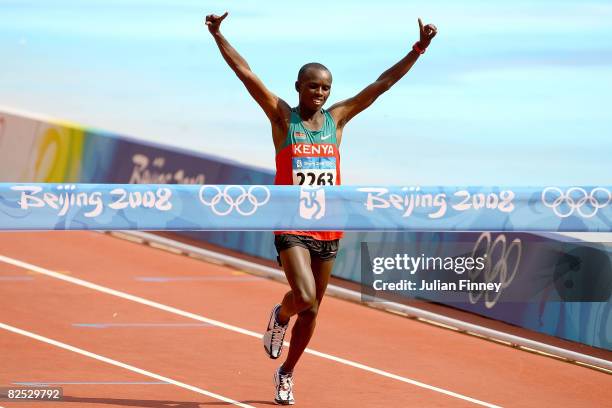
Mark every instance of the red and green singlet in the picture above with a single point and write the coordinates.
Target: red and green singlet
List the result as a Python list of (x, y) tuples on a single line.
[(309, 157)]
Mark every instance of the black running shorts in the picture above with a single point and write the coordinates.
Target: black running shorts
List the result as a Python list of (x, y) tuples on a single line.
[(324, 250)]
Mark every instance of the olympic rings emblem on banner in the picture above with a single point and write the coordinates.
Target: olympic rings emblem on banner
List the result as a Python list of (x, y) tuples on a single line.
[(571, 203), (246, 202), (502, 261)]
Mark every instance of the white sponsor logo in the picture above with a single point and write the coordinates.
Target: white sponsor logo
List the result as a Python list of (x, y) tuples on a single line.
[(412, 199), (67, 197), (62, 201), (501, 266), (325, 137), (245, 202), (312, 202), (378, 198), (576, 199), (317, 150), (142, 173)]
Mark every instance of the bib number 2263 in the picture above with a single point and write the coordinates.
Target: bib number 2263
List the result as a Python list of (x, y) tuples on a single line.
[(314, 177)]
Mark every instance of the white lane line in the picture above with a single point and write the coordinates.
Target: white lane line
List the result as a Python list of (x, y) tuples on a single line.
[(138, 325), (230, 327), (120, 364), (47, 383)]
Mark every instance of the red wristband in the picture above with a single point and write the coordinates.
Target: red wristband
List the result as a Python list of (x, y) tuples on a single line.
[(418, 48)]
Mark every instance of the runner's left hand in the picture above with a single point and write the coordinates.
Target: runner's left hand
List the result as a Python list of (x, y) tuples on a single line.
[(427, 33)]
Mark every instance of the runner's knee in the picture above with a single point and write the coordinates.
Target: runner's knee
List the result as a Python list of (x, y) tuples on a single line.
[(311, 312), (305, 301)]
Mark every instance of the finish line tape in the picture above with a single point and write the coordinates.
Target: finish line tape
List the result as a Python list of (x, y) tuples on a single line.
[(42, 206)]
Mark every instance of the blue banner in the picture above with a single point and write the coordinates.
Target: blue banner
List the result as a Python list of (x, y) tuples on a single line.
[(38, 206)]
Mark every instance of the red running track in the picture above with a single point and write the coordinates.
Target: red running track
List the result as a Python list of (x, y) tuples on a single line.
[(192, 329)]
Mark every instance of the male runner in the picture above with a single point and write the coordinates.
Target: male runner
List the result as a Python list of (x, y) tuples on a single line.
[(306, 139)]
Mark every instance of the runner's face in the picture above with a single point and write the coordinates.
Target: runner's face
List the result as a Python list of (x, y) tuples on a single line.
[(314, 88)]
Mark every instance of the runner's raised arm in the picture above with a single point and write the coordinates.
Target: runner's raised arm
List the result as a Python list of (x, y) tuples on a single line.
[(275, 108), (345, 110)]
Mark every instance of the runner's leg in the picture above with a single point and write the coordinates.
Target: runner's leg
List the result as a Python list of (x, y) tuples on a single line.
[(297, 267), (307, 306)]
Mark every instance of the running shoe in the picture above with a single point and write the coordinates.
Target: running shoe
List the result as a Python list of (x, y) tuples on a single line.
[(274, 335), (284, 388)]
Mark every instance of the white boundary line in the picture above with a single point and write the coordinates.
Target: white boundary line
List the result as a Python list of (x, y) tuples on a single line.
[(120, 364), (230, 327), (354, 296)]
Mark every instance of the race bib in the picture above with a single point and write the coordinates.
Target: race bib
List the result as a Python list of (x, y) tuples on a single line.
[(320, 171)]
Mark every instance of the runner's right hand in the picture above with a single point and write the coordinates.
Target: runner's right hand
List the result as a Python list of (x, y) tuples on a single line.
[(213, 22)]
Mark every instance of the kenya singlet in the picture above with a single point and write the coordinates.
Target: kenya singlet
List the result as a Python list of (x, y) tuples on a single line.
[(309, 157)]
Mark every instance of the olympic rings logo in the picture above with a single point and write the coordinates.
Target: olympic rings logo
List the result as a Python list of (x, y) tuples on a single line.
[(575, 199), (245, 202), (498, 256)]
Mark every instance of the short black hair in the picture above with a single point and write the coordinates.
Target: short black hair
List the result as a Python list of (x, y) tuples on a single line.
[(311, 65)]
